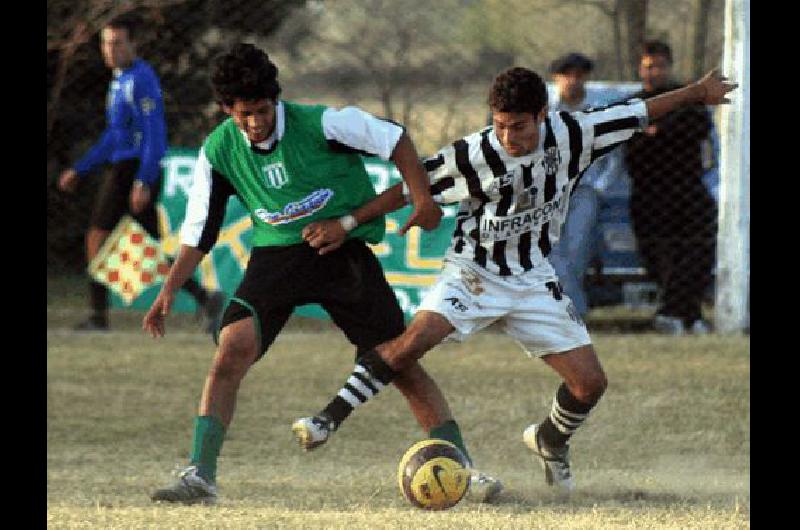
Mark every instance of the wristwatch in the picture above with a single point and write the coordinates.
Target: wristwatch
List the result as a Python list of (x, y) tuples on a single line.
[(348, 222)]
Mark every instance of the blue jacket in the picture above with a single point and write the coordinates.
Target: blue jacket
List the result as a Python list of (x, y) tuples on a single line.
[(135, 124)]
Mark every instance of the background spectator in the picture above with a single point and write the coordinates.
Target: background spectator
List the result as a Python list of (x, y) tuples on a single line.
[(673, 214)]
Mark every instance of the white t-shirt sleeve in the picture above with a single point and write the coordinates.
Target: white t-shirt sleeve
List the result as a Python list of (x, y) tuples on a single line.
[(354, 130), (197, 208)]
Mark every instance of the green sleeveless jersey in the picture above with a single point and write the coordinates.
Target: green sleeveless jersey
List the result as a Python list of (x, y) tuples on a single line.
[(300, 180)]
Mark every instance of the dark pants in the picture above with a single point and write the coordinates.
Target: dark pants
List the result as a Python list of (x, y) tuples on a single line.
[(678, 248)]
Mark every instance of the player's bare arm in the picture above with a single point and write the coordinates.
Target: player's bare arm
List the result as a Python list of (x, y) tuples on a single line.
[(179, 273), (68, 180), (328, 235), (710, 90), (427, 213), (140, 196)]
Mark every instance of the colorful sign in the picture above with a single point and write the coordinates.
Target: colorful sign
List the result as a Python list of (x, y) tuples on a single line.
[(130, 261)]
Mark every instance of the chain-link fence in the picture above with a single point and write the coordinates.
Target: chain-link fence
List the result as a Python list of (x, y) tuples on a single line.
[(427, 65)]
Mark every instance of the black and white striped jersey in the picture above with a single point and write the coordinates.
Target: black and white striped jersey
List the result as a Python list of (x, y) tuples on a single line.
[(511, 208)]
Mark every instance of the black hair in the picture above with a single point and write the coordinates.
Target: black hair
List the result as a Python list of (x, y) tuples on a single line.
[(246, 73), (129, 22), (657, 47), (573, 60), (518, 90)]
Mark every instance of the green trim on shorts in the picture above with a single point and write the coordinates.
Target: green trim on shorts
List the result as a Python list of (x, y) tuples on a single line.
[(218, 327), (255, 318)]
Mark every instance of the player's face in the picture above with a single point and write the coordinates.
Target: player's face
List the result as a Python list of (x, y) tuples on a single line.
[(518, 132), (655, 71), (571, 84), (255, 118), (117, 48)]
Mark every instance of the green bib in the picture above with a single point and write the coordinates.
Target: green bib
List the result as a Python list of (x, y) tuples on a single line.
[(299, 181)]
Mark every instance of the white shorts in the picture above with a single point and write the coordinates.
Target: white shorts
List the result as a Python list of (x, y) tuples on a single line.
[(535, 312)]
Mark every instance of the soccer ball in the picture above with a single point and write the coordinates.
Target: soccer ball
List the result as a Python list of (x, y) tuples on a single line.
[(433, 474)]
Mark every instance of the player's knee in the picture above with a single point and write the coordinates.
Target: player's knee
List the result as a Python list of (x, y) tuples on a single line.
[(401, 353), (591, 388), (233, 359), (413, 344)]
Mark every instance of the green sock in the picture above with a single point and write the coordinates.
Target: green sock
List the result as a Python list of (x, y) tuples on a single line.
[(449, 431), (209, 434)]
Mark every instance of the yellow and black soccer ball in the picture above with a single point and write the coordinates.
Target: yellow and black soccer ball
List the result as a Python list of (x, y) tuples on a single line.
[(433, 474)]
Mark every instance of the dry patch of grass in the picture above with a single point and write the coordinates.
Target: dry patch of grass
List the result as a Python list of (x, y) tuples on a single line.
[(667, 447)]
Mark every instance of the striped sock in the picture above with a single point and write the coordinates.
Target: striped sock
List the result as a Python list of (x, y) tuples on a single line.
[(369, 377), (566, 415)]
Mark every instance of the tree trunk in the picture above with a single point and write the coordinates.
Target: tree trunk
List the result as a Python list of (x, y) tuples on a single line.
[(386, 100), (634, 12), (64, 60), (408, 104), (617, 27), (701, 11)]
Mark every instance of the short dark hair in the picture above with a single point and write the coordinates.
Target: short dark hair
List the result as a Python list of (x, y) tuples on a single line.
[(657, 47), (570, 61), (129, 22), (246, 73), (518, 90)]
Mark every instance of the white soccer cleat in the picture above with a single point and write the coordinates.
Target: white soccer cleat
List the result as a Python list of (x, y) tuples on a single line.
[(190, 488), (669, 325), (313, 431), (700, 327), (555, 462), (482, 487)]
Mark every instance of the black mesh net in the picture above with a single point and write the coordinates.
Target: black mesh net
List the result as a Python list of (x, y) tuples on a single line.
[(427, 65)]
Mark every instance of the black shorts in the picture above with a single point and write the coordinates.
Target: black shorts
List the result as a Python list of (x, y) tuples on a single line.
[(348, 283), (113, 199)]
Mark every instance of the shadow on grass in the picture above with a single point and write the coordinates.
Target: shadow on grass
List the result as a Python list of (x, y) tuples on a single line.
[(620, 325), (589, 499)]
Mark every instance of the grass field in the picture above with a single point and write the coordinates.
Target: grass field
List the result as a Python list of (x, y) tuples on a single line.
[(668, 446)]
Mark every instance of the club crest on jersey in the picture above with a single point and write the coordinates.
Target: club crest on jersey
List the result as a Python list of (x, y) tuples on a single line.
[(148, 105), (293, 211), (551, 160), (275, 175)]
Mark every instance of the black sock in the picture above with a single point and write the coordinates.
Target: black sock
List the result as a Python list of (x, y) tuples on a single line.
[(196, 290), (98, 300), (370, 375), (566, 415)]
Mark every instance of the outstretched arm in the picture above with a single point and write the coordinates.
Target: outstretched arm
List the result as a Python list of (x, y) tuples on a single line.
[(710, 90), (605, 128)]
